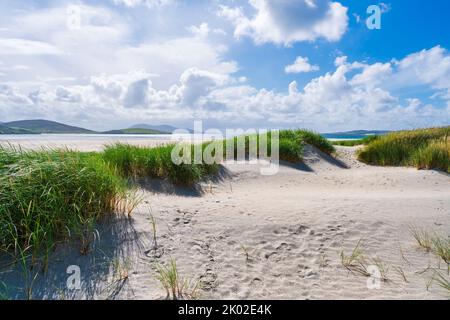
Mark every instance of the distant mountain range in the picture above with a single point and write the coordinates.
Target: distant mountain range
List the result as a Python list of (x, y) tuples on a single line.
[(42, 126), (162, 128), (45, 126)]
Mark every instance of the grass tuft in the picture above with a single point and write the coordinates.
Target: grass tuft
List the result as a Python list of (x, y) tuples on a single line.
[(177, 288), (145, 162), (423, 148), (355, 262), (442, 281), (422, 237), (441, 248), (52, 196)]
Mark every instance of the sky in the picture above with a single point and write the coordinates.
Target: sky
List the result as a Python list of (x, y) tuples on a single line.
[(316, 64)]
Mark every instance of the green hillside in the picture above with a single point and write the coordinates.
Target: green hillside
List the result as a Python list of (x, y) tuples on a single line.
[(7, 130), (44, 126)]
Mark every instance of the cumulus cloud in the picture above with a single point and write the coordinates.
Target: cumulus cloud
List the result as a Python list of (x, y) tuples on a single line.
[(300, 65), (288, 21), (69, 75), (354, 95), (80, 53)]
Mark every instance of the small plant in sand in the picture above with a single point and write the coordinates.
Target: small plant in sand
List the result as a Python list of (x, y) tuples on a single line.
[(442, 281), (246, 253), (422, 237), (401, 272), (177, 288), (382, 268), (153, 224), (355, 262), (121, 269), (323, 261)]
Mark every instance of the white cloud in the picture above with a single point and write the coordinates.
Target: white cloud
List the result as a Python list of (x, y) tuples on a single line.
[(300, 65), (203, 30), (430, 67), (148, 3), (286, 22), (103, 43), (354, 95), (108, 69), (339, 61), (13, 46)]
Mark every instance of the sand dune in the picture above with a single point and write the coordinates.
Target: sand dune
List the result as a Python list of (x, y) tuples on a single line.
[(277, 237)]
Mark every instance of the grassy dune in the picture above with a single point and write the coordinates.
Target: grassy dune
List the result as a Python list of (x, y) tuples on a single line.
[(142, 162), (423, 148), (52, 196)]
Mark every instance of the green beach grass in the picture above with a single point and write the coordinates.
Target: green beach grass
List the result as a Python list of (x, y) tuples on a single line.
[(48, 197), (145, 162), (422, 148)]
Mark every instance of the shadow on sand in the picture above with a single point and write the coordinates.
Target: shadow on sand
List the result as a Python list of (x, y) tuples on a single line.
[(102, 271), (313, 155), (166, 187)]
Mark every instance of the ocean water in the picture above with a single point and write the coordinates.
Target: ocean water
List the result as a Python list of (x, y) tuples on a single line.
[(332, 136)]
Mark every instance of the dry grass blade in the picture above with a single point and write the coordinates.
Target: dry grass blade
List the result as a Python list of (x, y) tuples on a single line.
[(442, 281), (422, 237), (176, 287), (355, 262), (401, 272), (441, 247)]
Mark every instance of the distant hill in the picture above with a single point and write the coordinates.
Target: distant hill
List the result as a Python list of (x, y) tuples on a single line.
[(162, 128), (7, 130), (355, 134), (134, 131), (44, 126)]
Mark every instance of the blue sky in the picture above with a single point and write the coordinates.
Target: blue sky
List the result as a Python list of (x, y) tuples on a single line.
[(106, 64)]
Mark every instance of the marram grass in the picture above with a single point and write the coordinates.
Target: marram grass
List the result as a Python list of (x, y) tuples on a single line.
[(423, 148), (52, 196), (48, 197), (145, 162)]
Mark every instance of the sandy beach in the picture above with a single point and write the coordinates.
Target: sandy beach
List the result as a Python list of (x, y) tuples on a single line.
[(249, 236)]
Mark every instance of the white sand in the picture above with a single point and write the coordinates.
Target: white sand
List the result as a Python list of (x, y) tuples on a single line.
[(293, 226), (75, 143)]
